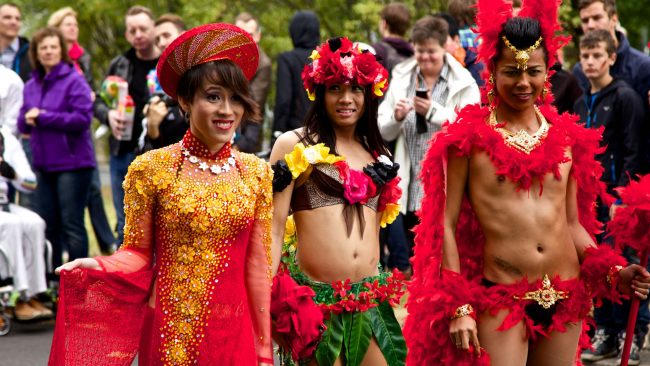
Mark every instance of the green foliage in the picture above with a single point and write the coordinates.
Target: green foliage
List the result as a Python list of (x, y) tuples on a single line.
[(388, 334), (358, 334), (101, 22), (330, 346)]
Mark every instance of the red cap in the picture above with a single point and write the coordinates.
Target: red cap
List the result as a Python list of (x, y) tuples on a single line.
[(210, 42)]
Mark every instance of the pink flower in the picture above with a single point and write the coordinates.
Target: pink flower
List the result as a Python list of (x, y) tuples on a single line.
[(358, 187)]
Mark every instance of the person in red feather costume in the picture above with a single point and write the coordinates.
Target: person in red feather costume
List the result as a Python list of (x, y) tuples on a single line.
[(505, 265)]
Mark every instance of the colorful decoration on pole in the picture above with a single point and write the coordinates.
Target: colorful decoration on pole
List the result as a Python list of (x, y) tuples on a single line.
[(630, 228)]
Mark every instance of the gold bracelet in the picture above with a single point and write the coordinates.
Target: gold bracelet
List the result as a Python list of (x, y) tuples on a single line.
[(463, 310), (613, 271)]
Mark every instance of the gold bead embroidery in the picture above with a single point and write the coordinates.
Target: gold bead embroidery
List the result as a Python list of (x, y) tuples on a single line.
[(198, 215)]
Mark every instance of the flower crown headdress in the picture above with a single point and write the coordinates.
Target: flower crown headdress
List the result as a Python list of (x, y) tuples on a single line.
[(339, 61), (490, 20)]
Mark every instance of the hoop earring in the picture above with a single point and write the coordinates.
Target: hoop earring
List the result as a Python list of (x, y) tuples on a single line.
[(187, 116)]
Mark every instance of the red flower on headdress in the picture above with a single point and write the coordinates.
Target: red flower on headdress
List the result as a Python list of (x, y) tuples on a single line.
[(339, 61), (366, 69)]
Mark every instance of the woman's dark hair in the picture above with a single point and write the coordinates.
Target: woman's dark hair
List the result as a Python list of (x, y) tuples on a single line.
[(225, 73), (318, 126), (522, 33), (38, 37)]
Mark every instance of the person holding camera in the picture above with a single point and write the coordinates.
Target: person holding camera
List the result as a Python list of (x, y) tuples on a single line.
[(164, 124), (425, 91)]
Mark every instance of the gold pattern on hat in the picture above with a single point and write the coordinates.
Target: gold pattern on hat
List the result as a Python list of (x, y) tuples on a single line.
[(522, 56)]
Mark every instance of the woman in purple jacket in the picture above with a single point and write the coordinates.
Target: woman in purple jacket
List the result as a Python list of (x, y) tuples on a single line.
[(57, 112)]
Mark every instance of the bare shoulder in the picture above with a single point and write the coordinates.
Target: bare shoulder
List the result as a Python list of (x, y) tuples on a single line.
[(284, 144)]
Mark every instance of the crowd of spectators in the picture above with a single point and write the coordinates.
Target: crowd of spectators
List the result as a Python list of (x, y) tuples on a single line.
[(48, 99)]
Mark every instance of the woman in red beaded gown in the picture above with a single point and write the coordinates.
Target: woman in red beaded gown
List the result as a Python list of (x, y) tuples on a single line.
[(192, 282)]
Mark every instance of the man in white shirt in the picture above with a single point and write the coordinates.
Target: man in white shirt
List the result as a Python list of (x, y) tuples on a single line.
[(22, 232), (11, 98)]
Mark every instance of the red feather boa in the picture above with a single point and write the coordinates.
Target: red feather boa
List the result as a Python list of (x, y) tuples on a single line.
[(432, 300), (630, 226)]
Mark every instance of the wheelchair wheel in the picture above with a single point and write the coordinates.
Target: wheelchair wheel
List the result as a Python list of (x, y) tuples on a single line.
[(5, 324)]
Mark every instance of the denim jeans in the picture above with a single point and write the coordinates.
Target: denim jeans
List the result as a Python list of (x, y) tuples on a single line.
[(61, 198), (98, 218), (119, 165), (394, 237)]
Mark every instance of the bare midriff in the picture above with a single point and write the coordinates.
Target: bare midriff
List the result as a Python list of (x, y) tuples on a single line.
[(327, 254), (526, 231)]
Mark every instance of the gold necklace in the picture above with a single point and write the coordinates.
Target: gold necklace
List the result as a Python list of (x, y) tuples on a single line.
[(522, 140)]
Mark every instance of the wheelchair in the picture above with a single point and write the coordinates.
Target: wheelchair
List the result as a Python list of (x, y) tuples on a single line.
[(8, 295)]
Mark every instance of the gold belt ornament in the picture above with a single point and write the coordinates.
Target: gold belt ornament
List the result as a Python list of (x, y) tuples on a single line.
[(546, 296)]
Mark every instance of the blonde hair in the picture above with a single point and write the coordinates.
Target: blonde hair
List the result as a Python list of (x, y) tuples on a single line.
[(57, 17)]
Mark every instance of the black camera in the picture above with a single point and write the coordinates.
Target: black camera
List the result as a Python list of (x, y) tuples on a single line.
[(420, 120), (169, 102)]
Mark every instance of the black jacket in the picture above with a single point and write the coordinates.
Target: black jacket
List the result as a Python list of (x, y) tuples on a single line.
[(565, 89), (21, 64), (291, 101), (122, 66), (619, 109)]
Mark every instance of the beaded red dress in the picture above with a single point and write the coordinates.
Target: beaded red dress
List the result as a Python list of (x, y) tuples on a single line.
[(191, 283)]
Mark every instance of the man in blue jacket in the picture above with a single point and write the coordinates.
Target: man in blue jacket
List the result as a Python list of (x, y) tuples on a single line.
[(631, 66), (13, 49)]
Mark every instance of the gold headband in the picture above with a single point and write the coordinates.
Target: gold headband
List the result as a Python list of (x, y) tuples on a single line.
[(522, 56)]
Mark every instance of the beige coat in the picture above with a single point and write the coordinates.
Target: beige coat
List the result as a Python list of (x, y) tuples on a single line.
[(462, 91)]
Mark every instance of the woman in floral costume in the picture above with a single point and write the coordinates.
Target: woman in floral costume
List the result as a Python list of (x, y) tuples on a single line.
[(196, 259), (335, 177)]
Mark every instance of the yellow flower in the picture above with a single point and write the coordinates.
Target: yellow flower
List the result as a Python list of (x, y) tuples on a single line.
[(196, 285), (301, 157), (177, 354), (188, 307), (310, 95), (141, 187), (296, 160), (159, 180), (377, 87), (181, 272), (289, 230), (200, 223), (314, 55), (187, 204), (185, 254), (320, 153), (389, 214), (213, 208), (184, 328)]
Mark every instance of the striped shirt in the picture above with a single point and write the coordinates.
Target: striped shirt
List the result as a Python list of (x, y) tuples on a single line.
[(417, 144)]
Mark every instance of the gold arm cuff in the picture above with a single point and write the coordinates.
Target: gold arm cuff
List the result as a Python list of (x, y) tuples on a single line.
[(463, 310), (614, 271)]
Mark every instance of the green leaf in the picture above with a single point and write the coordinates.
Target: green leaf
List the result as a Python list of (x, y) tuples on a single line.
[(358, 338), (389, 334), (330, 346)]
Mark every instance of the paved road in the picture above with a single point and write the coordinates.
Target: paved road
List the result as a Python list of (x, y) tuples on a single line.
[(29, 345)]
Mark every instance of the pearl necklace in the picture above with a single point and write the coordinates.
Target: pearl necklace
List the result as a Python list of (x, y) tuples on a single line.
[(522, 140), (214, 168)]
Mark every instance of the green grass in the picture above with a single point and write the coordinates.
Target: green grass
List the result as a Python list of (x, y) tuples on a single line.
[(93, 247)]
